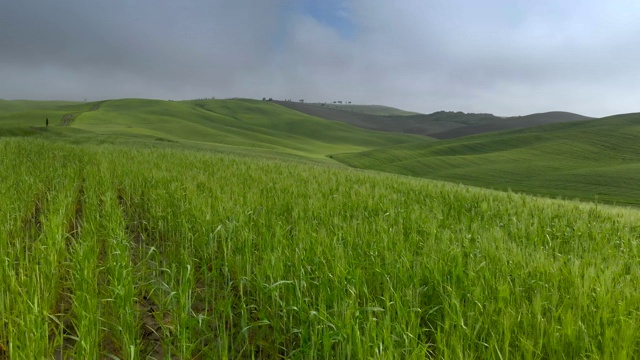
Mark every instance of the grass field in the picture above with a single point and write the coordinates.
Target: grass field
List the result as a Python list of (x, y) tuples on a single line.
[(225, 229), (121, 252), (590, 160)]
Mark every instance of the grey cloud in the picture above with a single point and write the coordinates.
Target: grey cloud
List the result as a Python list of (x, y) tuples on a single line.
[(501, 56), (158, 48), (472, 55)]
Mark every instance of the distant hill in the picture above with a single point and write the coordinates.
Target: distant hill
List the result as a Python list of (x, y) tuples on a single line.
[(457, 117), (380, 110), (362, 120), (418, 124), (592, 159), (427, 124), (440, 125), (510, 123)]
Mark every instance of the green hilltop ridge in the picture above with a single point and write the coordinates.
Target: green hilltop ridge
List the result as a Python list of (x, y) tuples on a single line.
[(440, 124)]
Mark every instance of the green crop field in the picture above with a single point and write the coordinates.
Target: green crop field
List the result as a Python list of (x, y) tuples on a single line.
[(223, 229), (589, 160), (136, 253)]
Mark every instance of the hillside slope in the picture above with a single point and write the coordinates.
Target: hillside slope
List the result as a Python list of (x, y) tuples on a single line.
[(596, 159), (239, 125), (362, 120)]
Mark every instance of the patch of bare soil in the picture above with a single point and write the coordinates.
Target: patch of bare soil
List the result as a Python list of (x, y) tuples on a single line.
[(33, 221), (63, 336), (156, 326)]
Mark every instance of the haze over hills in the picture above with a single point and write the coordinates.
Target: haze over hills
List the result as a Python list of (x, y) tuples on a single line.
[(441, 124), (510, 123), (381, 110), (390, 120)]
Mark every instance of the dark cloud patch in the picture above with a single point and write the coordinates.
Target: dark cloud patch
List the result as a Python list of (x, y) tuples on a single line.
[(157, 48)]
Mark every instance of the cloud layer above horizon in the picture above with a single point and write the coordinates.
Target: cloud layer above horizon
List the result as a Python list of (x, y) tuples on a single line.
[(507, 57)]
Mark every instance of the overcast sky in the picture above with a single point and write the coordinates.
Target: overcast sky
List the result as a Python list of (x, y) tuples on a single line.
[(506, 57)]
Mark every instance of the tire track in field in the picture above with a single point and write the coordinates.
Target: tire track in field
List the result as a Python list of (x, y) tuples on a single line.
[(68, 119), (63, 310), (155, 321)]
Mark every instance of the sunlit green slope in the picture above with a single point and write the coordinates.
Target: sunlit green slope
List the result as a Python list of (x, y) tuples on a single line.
[(242, 125), (28, 117), (598, 159)]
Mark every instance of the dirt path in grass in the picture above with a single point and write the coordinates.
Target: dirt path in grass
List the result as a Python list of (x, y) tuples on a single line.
[(68, 119)]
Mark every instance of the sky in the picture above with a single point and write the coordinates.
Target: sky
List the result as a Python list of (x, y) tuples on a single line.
[(505, 57)]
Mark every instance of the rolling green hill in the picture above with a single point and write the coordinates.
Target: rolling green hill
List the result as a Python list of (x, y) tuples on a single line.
[(231, 125), (591, 160), (581, 159)]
